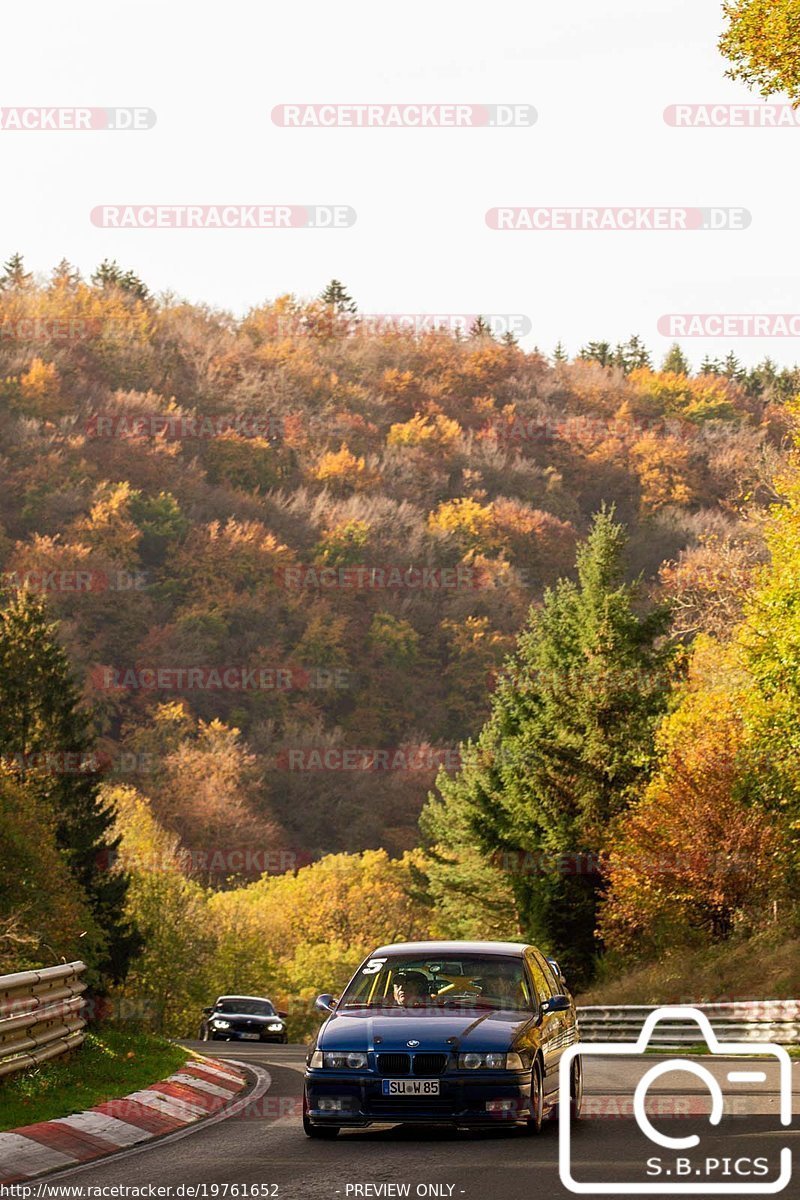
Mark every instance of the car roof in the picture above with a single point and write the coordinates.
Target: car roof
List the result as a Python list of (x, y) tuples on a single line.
[(453, 949), (236, 996)]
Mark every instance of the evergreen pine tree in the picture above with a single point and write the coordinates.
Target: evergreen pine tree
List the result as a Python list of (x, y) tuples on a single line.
[(566, 748), (632, 355), (732, 368), (560, 353), (480, 328), (599, 352), (336, 296), (14, 274), (110, 275), (41, 719), (676, 362), (64, 275)]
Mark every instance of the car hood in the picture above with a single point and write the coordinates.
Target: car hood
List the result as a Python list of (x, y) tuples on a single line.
[(226, 1016), (363, 1030)]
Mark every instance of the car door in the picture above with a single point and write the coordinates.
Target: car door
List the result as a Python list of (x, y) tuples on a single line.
[(550, 1026)]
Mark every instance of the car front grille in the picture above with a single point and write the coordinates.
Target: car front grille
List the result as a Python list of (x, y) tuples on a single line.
[(408, 1064), (429, 1064), (394, 1064)]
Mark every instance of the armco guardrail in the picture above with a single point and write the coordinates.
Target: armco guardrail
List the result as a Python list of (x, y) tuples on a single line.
[(41, 1015), (742, 1021)]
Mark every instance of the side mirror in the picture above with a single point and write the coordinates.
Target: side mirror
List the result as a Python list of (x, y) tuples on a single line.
[(208, 1011), (557, 1004), (325, 1003), (282, 1014)]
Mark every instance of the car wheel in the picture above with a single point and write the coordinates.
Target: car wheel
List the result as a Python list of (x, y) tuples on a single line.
[(316, 1131), (535, 1120), (576, 1088)]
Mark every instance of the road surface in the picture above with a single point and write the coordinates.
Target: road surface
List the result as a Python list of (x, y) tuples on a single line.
[(265, 1145)]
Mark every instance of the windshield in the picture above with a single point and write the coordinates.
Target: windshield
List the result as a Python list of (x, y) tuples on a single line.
[(239, 1004), (479, 981)]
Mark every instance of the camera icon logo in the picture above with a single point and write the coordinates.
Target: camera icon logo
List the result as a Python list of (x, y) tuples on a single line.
[(686, 1175)]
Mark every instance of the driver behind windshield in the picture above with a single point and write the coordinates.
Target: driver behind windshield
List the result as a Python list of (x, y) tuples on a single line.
[(410, 989)]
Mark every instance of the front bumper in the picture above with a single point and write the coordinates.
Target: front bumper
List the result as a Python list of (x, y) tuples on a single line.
[(237, 1035), (463, 1099)]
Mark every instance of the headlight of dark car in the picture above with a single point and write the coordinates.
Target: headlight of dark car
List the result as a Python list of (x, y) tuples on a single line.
[(275, 1027), (491, 1061), (339, 1060)]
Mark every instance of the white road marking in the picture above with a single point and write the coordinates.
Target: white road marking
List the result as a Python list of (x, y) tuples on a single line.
[(22, 1156)]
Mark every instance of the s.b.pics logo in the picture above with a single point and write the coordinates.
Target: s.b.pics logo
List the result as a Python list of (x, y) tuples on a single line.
[(689, 1164)]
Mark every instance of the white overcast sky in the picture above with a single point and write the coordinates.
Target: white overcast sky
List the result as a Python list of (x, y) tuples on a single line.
[(600, 75)]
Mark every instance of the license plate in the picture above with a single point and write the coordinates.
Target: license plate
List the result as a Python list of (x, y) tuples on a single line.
[(410, 1087), (251, 1037)]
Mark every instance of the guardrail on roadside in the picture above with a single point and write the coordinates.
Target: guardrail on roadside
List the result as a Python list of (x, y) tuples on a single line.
[(741, 1021), (41, 1015)]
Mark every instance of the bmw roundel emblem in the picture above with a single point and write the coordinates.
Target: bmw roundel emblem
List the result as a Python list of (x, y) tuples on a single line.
[(412, 1043)]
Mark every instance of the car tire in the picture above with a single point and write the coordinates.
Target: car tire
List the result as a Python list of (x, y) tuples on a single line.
[(576, 1088), (536, 1119), (326, 1132)]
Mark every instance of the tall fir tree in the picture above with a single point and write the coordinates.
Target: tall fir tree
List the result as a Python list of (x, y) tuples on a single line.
[(336, 296), (632, 355), (480, 328), (46, 738), (14, 274), (111, 275), (567, 748), (676, 362), (64, 275), (599, 352)]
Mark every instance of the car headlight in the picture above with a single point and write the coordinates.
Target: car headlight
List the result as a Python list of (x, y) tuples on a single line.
[(220, 1024), (340, 1060), (491, 1061), (275, 1027)]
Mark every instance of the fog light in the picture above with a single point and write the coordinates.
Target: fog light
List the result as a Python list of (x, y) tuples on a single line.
[(333, 1103), (501, 1106)]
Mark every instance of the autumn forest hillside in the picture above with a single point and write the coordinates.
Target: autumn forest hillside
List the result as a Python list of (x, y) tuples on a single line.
[(363, 515)]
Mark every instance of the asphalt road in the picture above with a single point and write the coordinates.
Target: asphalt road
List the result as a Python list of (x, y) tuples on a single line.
[(265, 1144)]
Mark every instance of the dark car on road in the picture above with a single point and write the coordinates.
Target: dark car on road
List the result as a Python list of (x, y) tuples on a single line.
[(243, 1019), (463, 1033)]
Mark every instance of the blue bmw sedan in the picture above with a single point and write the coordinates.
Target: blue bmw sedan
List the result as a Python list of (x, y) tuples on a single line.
[(462, 1033)]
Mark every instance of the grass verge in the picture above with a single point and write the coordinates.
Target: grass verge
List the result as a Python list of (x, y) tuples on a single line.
[(111, 1063)]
